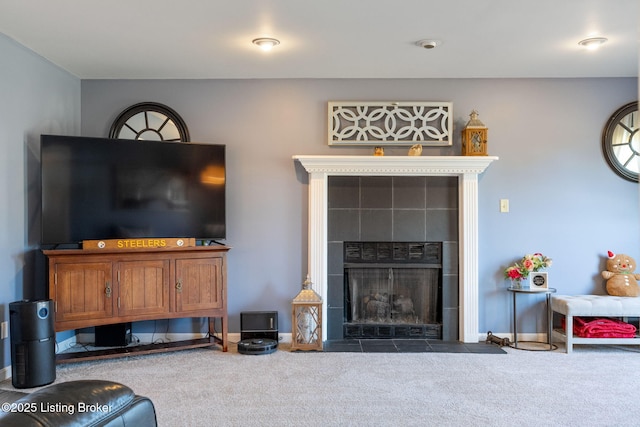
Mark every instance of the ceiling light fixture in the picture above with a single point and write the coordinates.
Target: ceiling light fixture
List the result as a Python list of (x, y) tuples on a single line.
[(266, 43), (592, 43), (428, 43)]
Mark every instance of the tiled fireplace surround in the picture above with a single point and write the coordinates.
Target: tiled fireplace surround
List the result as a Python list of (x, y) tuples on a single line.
[(396, 198), (392, 209)]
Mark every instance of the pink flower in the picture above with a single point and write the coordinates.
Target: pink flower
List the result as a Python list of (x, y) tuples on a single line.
[(528, 264)]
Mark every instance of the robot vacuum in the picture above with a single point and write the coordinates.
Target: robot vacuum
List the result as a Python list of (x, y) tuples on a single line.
[(257, 346)]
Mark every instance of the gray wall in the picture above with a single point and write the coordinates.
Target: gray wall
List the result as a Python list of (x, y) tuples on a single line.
[(37, 97), (565, 201)]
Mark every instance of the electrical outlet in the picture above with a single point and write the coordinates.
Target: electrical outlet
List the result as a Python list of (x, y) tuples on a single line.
[(504, 205), (4, 330)]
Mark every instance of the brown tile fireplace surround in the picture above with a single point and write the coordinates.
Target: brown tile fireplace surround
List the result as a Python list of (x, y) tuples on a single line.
[(390, 199)]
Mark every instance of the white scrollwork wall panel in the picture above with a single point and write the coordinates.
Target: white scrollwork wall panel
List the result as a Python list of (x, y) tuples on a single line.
[(390, 123)]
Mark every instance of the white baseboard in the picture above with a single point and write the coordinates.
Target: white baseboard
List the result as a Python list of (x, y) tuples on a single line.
[(147, 338), (88, 339), (539, 337), (234, 338), (5, 373), (68, 343), (282, 338)]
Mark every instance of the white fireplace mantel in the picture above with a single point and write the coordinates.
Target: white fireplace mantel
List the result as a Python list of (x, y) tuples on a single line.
[(466, 168)]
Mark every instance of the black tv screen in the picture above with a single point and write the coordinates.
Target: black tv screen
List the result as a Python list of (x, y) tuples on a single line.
[(99, 188)]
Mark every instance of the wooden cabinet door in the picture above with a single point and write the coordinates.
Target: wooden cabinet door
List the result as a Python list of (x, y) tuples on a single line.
[(143, 287), (198, 284), (83, 290)]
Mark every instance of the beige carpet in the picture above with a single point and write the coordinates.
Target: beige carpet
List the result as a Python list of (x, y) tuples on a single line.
[(594, 386)]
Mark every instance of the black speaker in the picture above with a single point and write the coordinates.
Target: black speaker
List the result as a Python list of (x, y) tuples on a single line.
[(116, 335), (33, 343), (259, 324)]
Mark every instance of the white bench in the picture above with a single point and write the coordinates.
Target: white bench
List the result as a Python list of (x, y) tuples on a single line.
[(593, 306)]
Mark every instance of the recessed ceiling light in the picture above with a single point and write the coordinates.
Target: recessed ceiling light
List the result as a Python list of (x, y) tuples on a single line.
[(592, 42), (428, 43), (266, 43)]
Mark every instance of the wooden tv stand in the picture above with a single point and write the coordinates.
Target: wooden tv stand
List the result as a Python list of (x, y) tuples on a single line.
[(93, 287)]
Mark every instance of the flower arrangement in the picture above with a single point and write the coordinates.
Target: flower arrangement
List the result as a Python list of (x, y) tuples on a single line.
[(528, 263)]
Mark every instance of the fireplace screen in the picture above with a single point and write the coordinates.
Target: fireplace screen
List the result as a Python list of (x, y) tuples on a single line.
[(399, 298)]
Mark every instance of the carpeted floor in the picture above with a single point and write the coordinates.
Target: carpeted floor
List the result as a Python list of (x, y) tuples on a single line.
[(594, 386)]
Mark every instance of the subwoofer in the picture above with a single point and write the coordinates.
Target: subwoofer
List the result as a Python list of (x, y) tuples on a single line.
[(116, 335), (33, 353)]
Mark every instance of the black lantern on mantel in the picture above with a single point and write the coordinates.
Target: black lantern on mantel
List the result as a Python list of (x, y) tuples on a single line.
[(306, 321)]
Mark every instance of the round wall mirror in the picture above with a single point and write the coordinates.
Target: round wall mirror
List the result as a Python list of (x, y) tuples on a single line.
[(621, 142), (149, 121)]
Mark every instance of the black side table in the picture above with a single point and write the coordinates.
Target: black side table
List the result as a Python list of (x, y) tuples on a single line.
[(547, 292)]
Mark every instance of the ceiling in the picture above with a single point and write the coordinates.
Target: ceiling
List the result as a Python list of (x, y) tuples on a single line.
[(203, 39)]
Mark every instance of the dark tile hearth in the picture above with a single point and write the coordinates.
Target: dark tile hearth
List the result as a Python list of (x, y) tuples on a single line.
[(409, 346)]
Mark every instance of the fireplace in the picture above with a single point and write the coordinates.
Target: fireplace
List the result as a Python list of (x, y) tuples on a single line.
[(464, 168), (392, 290)]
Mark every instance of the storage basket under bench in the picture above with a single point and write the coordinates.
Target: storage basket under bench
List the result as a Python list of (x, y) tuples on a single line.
[(571, 306)]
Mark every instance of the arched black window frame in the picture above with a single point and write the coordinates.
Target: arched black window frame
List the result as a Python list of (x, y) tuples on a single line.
[(172, 115), (607, 141)]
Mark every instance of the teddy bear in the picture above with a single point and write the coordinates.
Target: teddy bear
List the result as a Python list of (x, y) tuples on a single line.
[(621, 280)]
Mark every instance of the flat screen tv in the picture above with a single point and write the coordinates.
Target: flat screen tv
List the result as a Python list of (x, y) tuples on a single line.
[(99, 188)]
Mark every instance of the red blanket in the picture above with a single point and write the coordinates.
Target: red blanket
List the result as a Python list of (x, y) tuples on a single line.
[(602, 328)]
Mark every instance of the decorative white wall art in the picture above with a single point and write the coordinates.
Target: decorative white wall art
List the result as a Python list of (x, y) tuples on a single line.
[(390, 123)]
